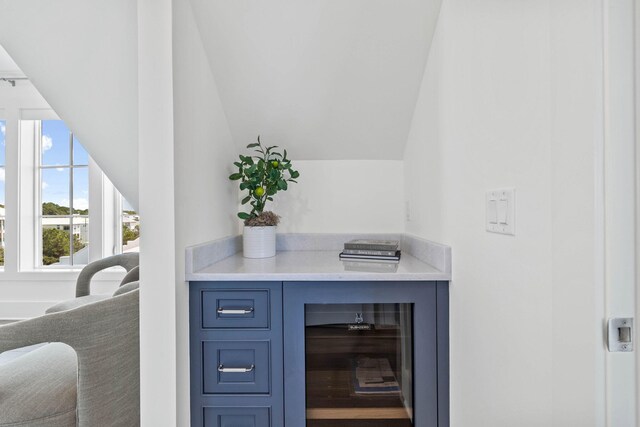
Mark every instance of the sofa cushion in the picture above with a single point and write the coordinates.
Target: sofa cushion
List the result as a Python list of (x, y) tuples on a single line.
[(76, 302), (126, 288), (39, 389), (10, 355)]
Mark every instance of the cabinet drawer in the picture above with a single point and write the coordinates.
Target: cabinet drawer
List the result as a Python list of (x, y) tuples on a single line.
[(236, 367), (236, 417), (235, 309)]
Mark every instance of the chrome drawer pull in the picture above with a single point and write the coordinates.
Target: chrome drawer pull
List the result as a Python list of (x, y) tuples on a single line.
[(235, 310), (221, 368)]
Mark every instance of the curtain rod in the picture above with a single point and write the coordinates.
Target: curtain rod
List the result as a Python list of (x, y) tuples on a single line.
[(12, 80)]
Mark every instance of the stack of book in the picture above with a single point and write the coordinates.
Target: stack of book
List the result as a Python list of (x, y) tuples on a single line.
[(371, 250)]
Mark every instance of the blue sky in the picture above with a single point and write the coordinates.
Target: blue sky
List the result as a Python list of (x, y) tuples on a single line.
[(55, 152)]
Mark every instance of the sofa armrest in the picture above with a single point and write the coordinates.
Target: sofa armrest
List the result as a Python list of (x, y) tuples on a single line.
[(79, 327)]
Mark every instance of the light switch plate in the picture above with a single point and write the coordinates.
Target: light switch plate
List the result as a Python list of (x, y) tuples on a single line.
[(501, 211)]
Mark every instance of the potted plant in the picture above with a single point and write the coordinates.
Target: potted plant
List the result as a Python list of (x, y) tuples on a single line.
[(262, 176)]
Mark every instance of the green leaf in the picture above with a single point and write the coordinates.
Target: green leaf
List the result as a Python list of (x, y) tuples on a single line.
[(292, 180), (238, 164), (282, 185), (235, 176), (276, 154), (294, 174), (285, 155), (255, 144), (243, 215), (246, 200), (270, 198), (244, 185)]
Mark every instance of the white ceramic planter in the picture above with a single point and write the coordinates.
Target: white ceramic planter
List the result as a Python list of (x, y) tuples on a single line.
[(259, 242)]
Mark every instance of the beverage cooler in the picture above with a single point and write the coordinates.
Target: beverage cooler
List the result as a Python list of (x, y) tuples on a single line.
[(359, 355)]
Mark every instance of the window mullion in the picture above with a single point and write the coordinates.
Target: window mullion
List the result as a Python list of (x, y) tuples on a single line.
[(12, 170)]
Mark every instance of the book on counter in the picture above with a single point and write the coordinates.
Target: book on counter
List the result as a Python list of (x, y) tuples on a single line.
[(372, 245), (369, 252), (395, 257)]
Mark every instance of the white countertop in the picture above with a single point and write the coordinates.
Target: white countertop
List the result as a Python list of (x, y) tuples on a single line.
[(310, 265)]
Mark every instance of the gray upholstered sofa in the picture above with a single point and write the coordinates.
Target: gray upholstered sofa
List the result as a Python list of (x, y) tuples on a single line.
[(89, 373)]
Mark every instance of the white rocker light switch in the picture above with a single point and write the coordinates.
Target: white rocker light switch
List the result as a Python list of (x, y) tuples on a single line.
[(500, 211)]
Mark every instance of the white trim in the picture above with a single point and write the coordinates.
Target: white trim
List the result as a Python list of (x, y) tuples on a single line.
[(27, 194), (619, 183), (38, 114), (158, 358), (637, 192), (599, 235)]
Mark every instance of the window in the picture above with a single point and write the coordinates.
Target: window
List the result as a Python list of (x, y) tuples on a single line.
[(64, 196), (130, 228), (61, 209)]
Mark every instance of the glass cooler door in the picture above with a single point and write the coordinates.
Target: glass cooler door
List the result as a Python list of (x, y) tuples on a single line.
[(359, 365)]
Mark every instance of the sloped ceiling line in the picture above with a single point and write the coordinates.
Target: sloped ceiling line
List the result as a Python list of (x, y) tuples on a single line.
[(81, 55)]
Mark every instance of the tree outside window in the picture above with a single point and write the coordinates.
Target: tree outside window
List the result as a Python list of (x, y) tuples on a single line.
[(130, 228)]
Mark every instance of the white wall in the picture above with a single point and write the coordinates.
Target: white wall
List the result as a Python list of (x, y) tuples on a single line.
[(204, 197), (509, 98), (577, 209), (157, 212), (343, 196)]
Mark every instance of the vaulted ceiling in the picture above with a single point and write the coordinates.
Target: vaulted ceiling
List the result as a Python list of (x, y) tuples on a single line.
[(329, 79), (8, 68), (81, 55)]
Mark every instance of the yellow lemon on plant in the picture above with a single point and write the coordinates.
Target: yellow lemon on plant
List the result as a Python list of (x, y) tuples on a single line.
[(275, 163), (259, 191)]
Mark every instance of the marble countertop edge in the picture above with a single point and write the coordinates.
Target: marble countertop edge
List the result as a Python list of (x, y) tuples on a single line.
[(313, 257)]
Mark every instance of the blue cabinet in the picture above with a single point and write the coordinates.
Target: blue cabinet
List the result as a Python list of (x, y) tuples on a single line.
[(297, 354), (236, 346), (238, 416), (236, 367)]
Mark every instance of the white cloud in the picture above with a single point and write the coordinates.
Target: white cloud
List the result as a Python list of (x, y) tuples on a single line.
[(60, 169), (2, 174), (80, 203), (47, 142), (3, 128), (44, 185)]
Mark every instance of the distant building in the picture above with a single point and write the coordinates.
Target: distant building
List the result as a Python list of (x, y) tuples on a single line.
[(80, 226), (130, 221)]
